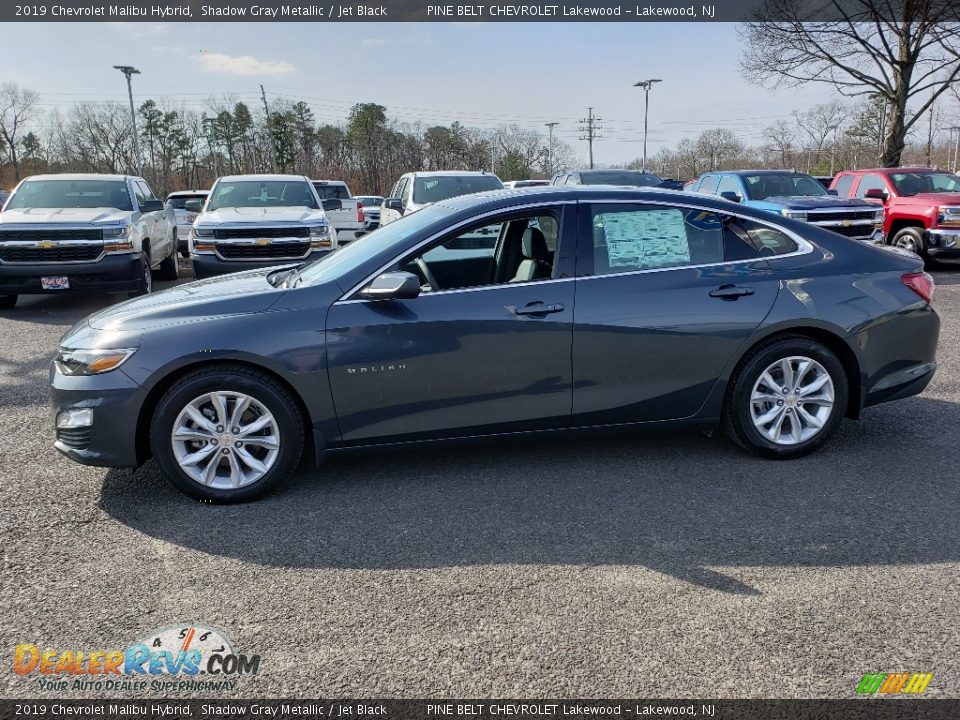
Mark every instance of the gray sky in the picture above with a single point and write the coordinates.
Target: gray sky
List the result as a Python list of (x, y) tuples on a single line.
[(480, 74)]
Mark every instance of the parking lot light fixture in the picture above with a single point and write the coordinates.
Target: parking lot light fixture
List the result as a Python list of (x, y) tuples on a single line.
[(646, 85), (129, 71)]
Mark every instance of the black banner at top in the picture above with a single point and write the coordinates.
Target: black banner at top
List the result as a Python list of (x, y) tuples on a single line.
[(476, 11)]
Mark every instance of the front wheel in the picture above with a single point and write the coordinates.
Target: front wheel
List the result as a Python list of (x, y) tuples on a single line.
[(170, 267), (145, 285), (227, 434), (786, 399), (911, 239)]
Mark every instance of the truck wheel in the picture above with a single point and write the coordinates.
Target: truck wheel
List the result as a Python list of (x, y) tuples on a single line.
[(911, 239), (7, 301), (146, 276), (170, 268)]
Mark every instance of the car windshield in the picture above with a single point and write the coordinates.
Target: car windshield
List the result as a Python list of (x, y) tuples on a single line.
[(767, 185), (71, 194), (349, 257), (370, 200), (179, 202), (920, 182), (620, 177), (332, 191), (434, 188), (262, 193)]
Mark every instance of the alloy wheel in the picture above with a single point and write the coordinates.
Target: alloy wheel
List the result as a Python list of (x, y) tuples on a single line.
[(792, 400), (907, 242), (225, 440)]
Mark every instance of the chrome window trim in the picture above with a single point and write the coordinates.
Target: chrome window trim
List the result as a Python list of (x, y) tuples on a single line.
[(501, 211), (804, 247)]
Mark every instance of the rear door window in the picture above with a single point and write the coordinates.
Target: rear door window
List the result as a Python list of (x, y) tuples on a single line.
[(708, 184), (844, 184)]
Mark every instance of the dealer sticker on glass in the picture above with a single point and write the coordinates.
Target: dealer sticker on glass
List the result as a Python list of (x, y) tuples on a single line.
[(55, 282)]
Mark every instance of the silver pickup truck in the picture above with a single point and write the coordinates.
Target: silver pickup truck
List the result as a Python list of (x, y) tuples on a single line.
[(343, 210), (84, 232)]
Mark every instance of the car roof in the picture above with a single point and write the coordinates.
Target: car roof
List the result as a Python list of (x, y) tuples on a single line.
[(766, 171), (176, 193), (262, 178), (452, 173), (617, 170), (891, 171), (330, 182), (81, 176)]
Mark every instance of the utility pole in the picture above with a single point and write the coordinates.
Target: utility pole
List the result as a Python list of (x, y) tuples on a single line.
[(590, 127), (646, 85), (208, 125), (550, 127), (128, 71), (956, 147), (930, 135), (273, 140)]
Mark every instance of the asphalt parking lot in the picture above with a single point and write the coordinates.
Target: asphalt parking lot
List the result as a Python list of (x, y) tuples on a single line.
[(669, 565)]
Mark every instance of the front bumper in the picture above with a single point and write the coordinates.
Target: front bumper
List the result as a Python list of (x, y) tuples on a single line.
[(209, 264), (943, 242), (111, 439), (116, 273)]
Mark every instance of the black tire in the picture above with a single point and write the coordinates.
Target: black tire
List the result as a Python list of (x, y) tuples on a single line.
[(738, 419), (910, 238), (7, 302), (146, 277), (262, 388), (170, 267)]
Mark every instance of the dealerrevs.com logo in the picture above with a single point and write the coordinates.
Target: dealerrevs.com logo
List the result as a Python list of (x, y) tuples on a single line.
[(187, 657), (894, 683)]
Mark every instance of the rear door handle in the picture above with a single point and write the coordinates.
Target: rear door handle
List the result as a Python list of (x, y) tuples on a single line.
[(538, 308), (730, 292)]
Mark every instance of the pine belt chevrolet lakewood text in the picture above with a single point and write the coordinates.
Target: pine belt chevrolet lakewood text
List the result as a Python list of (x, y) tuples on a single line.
[(504, 312)]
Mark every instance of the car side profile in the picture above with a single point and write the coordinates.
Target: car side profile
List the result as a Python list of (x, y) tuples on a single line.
[(551, 309)]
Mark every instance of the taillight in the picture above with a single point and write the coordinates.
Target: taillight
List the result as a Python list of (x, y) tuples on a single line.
[(921, 283), (360, 217)]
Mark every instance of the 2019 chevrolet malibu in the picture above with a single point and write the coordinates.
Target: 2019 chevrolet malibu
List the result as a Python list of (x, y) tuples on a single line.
[(505, 312)]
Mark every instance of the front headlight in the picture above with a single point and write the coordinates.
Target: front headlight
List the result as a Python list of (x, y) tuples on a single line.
[(795, 214), (201, 239), (202, 232), (91, 362), (878, 217), (320, 236), (118, 238), (949, 215)]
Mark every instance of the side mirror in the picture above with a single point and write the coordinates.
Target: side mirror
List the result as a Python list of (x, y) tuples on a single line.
[(833, 192), (730, 195), (392, 286), (876, 194), (194, 206), (393, 204), (150, 206)]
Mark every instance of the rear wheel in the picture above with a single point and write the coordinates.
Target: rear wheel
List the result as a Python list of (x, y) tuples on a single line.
[(169, 268), (786, 399), (7, 302), (227, 434)]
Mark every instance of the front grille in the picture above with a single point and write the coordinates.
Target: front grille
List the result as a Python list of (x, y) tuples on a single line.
[(40, 235), (266, 252), (853, 230), (839, 215), (76, 438), (263, 232), (63, 253)]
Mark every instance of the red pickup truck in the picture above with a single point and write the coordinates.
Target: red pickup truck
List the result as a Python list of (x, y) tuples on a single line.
[(922, 206)]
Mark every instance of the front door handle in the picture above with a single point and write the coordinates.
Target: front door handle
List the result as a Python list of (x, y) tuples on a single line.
[(538, 308), (730, 292)]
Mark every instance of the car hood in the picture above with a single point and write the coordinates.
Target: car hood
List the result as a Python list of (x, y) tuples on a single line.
[(65, 216), (806, 202), (234, 215), (933, 198), (235, 294)]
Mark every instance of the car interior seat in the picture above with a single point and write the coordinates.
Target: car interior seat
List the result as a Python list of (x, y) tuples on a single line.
[(536, 263)]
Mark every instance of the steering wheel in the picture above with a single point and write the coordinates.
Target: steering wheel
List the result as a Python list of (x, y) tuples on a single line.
[(427, 273)]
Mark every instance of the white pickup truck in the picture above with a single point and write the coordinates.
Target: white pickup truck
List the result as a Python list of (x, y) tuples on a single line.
[(256, 221), (344, 211), (84, 232)]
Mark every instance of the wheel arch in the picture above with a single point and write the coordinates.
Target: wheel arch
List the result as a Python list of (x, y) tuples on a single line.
[(902, 223), (160, 387)]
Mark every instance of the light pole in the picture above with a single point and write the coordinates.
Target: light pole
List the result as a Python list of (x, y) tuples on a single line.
[(833, 145), (550, 126), (646, 85), (128, 71)]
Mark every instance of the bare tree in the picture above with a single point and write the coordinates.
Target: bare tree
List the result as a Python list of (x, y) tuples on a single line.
[(17, 107), (780, 139), (897, 50)]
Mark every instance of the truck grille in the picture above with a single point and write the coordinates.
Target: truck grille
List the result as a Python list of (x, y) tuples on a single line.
[(852, 230), (263, 252), (261, 232), (63, 253), (839, 215), (50, 235)]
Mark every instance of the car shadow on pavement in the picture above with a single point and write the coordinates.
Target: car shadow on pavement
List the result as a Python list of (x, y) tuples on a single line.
[(695, 508)]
